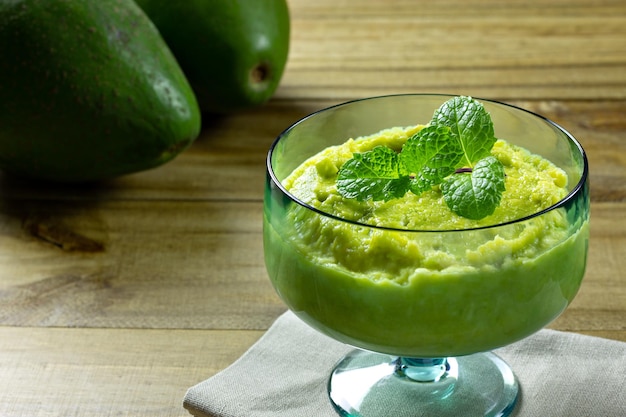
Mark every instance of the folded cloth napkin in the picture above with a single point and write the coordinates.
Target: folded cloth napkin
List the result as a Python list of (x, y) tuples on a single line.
[(285, 374)]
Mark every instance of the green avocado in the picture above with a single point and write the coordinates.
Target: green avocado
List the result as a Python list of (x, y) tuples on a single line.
[(88, 90), (233, 51)]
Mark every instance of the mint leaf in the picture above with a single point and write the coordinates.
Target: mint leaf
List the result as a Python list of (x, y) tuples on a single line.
[(471, 124), (429, 156), (453, 151), (374, 175), (477, 194)]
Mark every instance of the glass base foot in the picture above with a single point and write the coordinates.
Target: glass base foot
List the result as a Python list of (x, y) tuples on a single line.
[(366, 384)]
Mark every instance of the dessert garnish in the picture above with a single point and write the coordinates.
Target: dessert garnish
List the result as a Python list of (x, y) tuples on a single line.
[(451, 154)]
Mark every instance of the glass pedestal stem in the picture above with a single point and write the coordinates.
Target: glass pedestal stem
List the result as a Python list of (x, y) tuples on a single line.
[(422, 369)]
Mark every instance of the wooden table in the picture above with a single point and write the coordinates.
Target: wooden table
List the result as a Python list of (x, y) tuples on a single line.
[(117, 297)]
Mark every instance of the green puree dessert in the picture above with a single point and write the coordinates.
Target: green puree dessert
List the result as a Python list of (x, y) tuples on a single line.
[(532, 184), (394, 279)]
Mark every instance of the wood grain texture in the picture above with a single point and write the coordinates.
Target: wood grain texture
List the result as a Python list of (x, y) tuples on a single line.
[(555, 49), (103, 372), (116, 297), (162, 265)]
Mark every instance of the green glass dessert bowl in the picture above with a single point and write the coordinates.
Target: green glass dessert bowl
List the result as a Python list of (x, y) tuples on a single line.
[(423, 297)]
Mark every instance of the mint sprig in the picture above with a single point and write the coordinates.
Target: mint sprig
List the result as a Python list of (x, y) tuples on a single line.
[(452, 152)]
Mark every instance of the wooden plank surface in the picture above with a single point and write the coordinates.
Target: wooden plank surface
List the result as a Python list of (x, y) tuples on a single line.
[(515, 49), (104, 372), (184, 265), (116, 297)]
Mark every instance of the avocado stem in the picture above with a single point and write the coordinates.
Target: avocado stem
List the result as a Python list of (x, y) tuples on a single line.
[(260, 73)]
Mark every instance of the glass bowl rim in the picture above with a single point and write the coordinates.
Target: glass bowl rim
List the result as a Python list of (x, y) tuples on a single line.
[(571, 195)]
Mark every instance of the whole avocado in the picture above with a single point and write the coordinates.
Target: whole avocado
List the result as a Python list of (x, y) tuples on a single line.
[(233, 51), (88, 90)]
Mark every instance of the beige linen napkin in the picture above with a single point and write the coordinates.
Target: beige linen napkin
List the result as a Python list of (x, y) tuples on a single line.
[(285, 374)]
